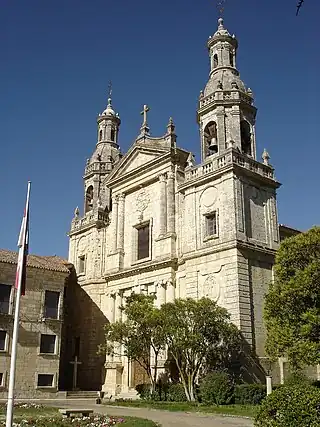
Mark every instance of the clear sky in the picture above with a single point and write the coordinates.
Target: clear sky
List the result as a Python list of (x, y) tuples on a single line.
[(57, 58)]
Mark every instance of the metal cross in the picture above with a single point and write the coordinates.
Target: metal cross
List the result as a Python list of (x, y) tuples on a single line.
[(75, 364), (220, 6), (110, 89), (144, 113)]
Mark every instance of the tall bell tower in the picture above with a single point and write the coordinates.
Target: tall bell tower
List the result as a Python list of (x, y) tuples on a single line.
[(226, 114)]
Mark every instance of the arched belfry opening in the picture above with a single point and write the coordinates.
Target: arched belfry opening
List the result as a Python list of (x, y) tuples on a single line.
[(245, 138), (100, 135), (215, 60), (210, 139), (89, 198)]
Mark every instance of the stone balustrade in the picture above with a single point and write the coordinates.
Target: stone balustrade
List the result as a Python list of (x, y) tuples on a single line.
[(230, 156), (99, 218), (221, 95), (97, 167)]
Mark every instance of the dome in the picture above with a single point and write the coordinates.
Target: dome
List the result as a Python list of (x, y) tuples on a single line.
[(109, 111), (226, 79)]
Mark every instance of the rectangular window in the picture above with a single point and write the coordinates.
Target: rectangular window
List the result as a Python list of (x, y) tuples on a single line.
[(144, 241), (211, 224), (1, 379), (48, 344), (5, 293), (45, 380), (82, 264), (51, 304), (3, 338)]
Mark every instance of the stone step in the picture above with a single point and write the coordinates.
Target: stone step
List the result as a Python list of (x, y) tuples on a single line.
[(82, 394)]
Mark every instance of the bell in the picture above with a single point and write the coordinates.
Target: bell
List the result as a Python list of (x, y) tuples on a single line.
[(213, 147)]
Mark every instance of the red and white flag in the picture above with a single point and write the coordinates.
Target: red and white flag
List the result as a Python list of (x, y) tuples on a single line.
[(23, 248)]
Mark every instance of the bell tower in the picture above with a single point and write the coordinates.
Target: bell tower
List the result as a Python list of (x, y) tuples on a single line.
[(103, 160), (226, 114)]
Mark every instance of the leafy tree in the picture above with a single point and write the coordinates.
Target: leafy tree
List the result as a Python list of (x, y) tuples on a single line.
[(194, 331), (292, 305), (141, 332)]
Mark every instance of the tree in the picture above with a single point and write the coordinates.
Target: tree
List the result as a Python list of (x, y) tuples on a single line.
[(141, 332), (195, 330), (292, 305)]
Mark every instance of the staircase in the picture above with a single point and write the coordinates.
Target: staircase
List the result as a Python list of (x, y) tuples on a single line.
[(82, 394)]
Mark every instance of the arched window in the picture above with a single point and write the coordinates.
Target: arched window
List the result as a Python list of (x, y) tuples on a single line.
[(89, 198), (100, 135), (231, 58), (210, 139), (245, 137), (113, 134), (215, 60)]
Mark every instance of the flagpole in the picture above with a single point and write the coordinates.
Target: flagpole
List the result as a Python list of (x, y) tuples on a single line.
[(10, 402)]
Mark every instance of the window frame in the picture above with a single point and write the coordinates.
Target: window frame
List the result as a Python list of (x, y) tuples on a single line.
[(44, 306), (136, 228), (82, 258), (3, 382), (11, 295), (55, 345), (6, 341), (53, 384), (206, 235)]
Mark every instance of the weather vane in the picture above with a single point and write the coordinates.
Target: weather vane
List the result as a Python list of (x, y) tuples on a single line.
[(220, 6), (110, 89)]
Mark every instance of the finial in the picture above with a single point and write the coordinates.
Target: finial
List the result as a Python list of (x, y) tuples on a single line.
[(170, 126), (191, 160), (265, 157), (220, 23), (76, 212)]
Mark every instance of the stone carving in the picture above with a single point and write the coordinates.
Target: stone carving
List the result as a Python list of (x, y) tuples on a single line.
[(208, 197), (211, 289), (143, 200), (82, 245)]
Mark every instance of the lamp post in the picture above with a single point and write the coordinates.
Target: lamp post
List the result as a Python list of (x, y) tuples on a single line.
[(269, 377)]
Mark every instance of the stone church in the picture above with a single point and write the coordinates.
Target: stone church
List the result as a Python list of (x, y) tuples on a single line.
[(156, 222)]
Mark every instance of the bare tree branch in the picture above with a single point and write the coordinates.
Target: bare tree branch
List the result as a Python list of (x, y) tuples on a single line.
[(299, 5)]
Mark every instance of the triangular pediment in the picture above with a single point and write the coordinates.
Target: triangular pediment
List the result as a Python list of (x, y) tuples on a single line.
[(138, 157)]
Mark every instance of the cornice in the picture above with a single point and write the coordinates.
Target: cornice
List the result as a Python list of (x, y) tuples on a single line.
[(142, 268)]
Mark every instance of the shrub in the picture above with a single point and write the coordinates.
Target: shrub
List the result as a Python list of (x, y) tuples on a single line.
[(217, 388), (297, 378), (295, 406), (249, 394), (176, 393), (144, 391)]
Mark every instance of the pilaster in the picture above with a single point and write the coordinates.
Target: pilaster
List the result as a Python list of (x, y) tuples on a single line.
[(170, 203), (163, 206), (114, 224)]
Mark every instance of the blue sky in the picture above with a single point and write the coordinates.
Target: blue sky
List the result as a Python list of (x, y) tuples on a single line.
[(57, 58)]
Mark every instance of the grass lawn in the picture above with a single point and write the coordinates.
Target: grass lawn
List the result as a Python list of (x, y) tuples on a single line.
[(240, 410)]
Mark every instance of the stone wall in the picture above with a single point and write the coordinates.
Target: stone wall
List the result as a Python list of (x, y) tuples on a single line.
[(30, 362)]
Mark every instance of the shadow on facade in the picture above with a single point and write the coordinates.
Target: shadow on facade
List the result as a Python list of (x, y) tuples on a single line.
[(82, 334)]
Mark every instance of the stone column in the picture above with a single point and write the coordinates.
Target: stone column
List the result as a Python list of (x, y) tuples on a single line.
[(171, 203), (221, 130), (161, 293), (163, 206), (120, 239), (170, 295), (115, 224)]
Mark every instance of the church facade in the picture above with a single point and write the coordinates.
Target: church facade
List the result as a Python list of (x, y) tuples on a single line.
[(156, 222)]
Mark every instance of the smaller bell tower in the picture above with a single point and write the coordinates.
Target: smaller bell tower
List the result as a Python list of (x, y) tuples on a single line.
[(226, 114)]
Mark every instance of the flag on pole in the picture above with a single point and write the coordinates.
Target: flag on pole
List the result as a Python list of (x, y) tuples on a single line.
[(23, 244)]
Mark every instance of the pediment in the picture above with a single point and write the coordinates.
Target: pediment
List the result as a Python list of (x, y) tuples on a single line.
[(135, 160)]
